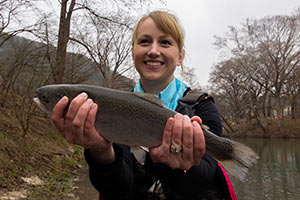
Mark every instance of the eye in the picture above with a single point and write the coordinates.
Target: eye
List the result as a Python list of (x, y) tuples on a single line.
[(166, 42), (45, 98), (144, 41)]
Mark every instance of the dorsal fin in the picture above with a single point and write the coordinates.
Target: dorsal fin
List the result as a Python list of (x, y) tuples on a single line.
[(151, 98)]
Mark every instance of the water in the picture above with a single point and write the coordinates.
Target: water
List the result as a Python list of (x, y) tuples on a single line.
[(277, 173)]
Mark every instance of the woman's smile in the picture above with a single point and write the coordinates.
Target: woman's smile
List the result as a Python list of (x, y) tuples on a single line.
[(153, 64)]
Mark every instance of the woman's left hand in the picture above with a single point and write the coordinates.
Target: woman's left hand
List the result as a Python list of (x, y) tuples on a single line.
[(183, 143)]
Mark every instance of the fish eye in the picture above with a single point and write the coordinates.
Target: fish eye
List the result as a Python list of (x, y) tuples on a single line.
[(45, 99)]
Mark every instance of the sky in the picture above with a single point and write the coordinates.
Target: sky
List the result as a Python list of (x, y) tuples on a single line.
[(202, 19)]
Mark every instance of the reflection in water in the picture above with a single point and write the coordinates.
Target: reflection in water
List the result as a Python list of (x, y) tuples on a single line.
[(277, 173)]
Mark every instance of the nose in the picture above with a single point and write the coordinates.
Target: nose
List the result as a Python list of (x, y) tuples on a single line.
[(154, 50)]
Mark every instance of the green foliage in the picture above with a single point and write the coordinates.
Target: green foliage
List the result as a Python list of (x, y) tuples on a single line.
[(14, 173)]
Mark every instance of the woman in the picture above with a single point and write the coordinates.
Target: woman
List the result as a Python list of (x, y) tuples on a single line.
[(179, 164)]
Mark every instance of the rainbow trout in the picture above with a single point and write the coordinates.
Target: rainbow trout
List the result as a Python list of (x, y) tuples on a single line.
[(138, 119)]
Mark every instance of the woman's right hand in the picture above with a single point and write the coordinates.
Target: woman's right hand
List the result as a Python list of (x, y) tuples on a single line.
[(78, 127)]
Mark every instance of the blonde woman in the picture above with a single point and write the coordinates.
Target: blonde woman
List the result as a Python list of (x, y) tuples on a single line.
[(177, 169)]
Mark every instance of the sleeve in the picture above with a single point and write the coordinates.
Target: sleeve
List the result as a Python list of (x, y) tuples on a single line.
[(208, 112), (200, 177), (115, 178)]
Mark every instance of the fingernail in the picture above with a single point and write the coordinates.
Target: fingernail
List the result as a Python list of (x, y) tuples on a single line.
[(170, 122), (186, 118), (178, 116), (195, 124), (64, 99), (89, 101), (94, 106), (83, 95)]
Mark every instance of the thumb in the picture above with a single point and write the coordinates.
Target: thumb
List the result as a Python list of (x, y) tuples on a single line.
[(196, 119)]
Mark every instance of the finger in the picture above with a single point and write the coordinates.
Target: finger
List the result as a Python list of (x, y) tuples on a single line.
[(161, 153), (196, 119), (81, 117), (199, 142), (167, 136), (74, 106), (188, 146), (177, 131), (71, 129), (58, 113), (90, 121), (91, 135)]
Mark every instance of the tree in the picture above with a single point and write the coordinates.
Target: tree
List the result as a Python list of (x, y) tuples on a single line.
[(11, 15), (22, 76), (268, 51), (109, 48), (63, 39), (189, 75), (92, 8)]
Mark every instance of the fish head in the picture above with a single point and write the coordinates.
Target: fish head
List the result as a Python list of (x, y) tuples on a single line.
[(47, 97)]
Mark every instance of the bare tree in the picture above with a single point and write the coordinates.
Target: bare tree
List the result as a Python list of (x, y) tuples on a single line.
[(109, 48), (293, 93), (93, 8), (15, 60), (11, 19), (268, 50), (22, 65), (63, 39), (189, 75), (229, 81)]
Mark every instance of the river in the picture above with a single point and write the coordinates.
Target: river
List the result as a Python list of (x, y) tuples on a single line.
[(277, 173)]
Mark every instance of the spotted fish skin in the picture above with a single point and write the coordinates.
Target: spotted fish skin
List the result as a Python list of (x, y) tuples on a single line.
[(138, 119)]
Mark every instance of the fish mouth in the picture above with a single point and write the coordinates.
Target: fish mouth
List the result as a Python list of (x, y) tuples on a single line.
[(40, 105)]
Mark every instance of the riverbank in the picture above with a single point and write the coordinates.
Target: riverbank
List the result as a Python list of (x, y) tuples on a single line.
[(289, 128)]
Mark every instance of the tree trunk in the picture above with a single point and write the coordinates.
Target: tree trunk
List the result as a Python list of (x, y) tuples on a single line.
[(278, 108), (63, 39)]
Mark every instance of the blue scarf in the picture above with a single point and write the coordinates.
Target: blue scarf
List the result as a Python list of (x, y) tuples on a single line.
[(170, 95)]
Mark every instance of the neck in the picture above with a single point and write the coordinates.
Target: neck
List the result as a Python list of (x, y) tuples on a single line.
[(154, 87)]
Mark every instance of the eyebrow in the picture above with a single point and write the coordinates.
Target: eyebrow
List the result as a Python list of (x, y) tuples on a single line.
[(162, 36)]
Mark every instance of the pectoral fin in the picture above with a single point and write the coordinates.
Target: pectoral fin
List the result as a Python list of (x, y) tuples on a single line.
[(139, 153)]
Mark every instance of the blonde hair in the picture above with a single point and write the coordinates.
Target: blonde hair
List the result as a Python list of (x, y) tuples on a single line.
[(167, 23)]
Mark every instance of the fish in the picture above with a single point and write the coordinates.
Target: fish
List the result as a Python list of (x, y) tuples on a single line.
[(139, 119)]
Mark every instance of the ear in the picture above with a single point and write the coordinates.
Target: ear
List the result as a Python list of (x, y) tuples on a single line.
[(181, 57)]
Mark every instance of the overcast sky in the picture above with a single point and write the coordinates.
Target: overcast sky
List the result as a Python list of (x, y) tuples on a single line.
[(202, 19)]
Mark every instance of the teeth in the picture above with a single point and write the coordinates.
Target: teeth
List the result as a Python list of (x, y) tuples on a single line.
[(153, 63)]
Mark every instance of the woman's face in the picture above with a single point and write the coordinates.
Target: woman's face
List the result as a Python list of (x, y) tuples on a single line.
[(155, 54)]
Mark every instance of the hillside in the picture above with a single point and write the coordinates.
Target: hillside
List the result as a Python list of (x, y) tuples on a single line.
[(24, 62), (39, 165)]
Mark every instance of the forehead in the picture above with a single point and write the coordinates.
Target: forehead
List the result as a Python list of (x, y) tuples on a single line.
[(148, 27)]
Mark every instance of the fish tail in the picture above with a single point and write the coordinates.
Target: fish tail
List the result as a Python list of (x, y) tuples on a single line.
[(235, 157), (242, 158)]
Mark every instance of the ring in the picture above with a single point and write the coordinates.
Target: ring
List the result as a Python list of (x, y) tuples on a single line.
[(174, 149)]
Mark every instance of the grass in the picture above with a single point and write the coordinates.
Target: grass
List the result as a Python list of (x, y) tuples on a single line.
[(42, 152)]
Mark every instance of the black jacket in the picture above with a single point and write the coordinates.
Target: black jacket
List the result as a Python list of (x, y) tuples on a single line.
[(126, 179)]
